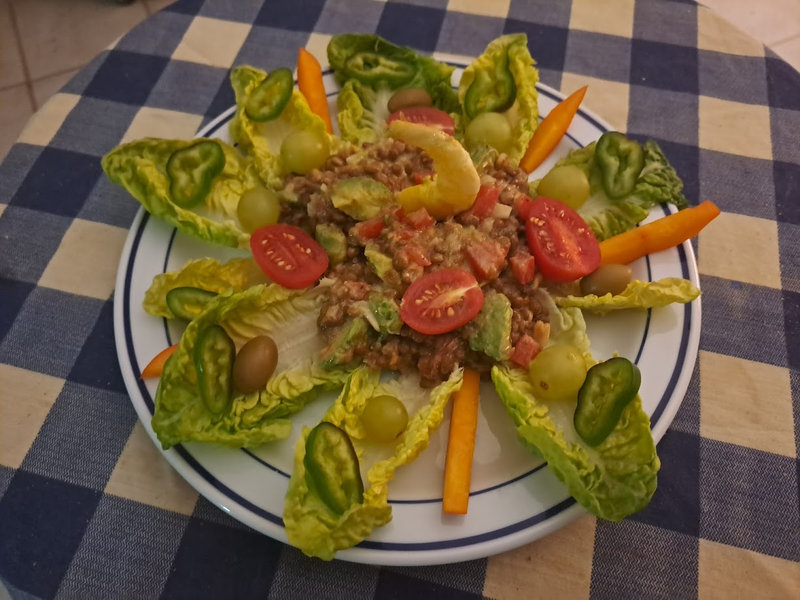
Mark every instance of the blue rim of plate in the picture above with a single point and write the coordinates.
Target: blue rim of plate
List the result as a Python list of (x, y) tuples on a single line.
[(258, 511)]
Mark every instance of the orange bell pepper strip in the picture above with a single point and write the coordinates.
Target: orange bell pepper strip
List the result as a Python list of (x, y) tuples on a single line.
[(658, 235), (551, 130), (461, 445), (156, 366), (309, 80)]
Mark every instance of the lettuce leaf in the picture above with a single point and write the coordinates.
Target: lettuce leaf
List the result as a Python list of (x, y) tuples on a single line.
[(524, 113), (638, 294), (364, 95), (235, 275), (612, 480), (310, 524), (657, 183), (140, 167), (289, 317), (263, 140)]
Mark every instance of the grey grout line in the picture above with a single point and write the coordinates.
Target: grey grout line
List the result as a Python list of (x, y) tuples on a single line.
[(21, 52)]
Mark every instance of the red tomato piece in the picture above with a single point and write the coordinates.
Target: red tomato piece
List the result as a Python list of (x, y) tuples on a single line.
[(525, 350), (486, 259), (441, 301), (523, 267), (288, 255), (419, 219), (425, 115), (369, 229), (413, 254), (485, 201), (523, 206), (562, 243)]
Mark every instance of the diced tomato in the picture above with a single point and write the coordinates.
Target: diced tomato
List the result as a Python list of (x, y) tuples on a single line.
[(413, 254), (525, 351), (425, 115), (563, 244), (523, 204), (421, 176), (486, 259), (523, 267), (485, 201), (441, 301), (419, 219), (288, 255), (369, 229)]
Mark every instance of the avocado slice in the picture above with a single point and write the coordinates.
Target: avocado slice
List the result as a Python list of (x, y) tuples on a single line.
[(360, 197), (490, 331), (339, 353), (380, 262), (333, 240), (386, 313)]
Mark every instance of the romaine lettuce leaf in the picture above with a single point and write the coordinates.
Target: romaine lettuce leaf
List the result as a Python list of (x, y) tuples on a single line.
[(263, 140), (612, 480), (657, 183), (524, 113), (638, 294), (235, 275), (289, 317), (370, 69), (140, 167), (310, 524)]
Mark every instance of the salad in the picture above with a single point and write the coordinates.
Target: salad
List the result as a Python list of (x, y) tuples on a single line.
[(397, 264)]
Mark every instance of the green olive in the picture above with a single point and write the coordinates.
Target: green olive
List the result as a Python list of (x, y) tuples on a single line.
[(489, 128), (384, 418), (566, 183), (606, 279), (408, 97), (303, 151), (255, 364), (257, 207)]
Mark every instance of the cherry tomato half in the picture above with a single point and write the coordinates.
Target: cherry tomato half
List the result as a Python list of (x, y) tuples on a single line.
[(441, 301), (425, 115), (562, 243), (288, 255)]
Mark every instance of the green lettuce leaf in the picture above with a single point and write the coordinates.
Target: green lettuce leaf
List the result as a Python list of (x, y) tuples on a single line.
[(140, 167), (263, 140), (612, 480), (310, 524), (638, 294), (364, 95), (289, 317), (235, 275), (657, 183), (524, 113)]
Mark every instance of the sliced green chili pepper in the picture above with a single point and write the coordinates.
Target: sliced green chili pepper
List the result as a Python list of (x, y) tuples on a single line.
[(370, 67), (268, 100), (620, 161), (214, 353), (607, 390), (192, 170), (188, 302), (491, 92), (332, 467)]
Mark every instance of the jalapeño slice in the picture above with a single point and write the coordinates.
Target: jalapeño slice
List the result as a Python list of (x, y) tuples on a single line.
[(214, 353), (607, 390), (188, 302), (332, 467), (192, 170), (620, 161), (268, 100)]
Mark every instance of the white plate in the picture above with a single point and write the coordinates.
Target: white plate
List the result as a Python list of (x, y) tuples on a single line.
[(514, 500)]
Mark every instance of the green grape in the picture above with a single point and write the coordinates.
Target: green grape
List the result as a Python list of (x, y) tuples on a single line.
[(489, 128), (303, 151), (257, 207), (557, 373), (384, 418), (566, 183)]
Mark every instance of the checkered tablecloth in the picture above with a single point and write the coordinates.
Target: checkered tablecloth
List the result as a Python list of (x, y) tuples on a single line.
[(89, 508)]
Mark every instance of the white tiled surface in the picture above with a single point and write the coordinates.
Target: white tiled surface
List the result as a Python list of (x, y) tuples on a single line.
[(43, 43)]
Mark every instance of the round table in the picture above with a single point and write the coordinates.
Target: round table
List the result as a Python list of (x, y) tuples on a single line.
[(90, 509)]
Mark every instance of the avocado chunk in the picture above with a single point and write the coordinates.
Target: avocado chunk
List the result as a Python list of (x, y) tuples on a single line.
[(341, 351), (360, 197), (490, 331), (386, 313), (333, 240), (380, 262)]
